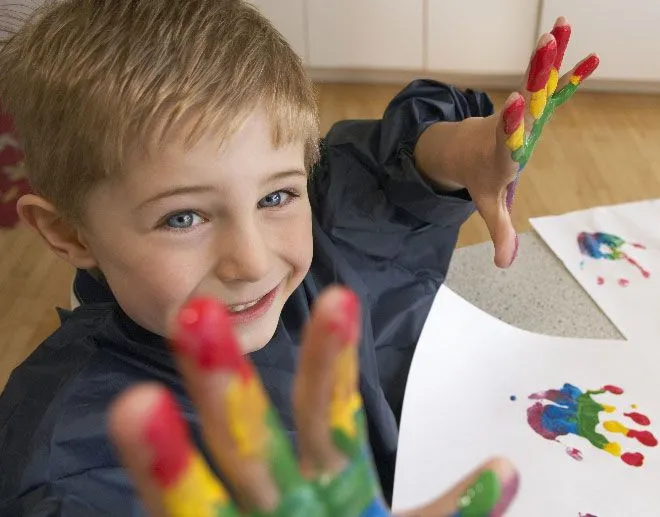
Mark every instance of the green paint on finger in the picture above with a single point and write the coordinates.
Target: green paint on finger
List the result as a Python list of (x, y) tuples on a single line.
[(480, 499)]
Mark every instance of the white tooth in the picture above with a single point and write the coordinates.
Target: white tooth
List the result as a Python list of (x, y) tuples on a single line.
[(242, 307)]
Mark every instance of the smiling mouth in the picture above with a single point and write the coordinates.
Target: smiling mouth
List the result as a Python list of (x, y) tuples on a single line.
[(240, 307)]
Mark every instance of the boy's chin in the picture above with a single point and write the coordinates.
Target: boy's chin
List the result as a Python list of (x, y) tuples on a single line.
[(256, 336)]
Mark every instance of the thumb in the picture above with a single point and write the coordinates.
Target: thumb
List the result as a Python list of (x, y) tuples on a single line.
[(488, 490), (500, 226)]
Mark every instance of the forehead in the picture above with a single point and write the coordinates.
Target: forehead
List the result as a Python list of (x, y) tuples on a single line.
[(249, 151)]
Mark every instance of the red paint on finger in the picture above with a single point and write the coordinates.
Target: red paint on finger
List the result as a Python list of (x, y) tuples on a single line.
[(586, 67), (167, 436), (540, 66), (346, 320), (204, 331), (513, 115), (562, 34)]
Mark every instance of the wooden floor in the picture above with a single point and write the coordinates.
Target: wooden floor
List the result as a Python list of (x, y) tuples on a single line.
[(599, 149)]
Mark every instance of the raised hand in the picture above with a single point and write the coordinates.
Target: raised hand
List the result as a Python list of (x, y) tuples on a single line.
[(519, 128), (333, 474)]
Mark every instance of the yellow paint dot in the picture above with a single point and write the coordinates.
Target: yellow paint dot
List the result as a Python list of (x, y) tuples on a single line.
[(537, 103), (552, 82), (613, 448), (608, 409), (634, 406), (517, 138), (615, 427)]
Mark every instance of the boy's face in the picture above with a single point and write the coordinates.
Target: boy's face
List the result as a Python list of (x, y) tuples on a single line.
[(233, 223)]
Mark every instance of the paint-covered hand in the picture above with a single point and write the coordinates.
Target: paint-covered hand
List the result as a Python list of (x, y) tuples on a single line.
[(492, 151), (522, 121), (332, 475)]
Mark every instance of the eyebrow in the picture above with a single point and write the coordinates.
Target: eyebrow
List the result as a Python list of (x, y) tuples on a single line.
[(202, 189)]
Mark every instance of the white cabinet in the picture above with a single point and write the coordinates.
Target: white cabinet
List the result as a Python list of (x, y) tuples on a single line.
[(288, 16), (366, 34), (626, 35), (481, 36)]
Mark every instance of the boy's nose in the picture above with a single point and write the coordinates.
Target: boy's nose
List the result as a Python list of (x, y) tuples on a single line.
[(243, 255)]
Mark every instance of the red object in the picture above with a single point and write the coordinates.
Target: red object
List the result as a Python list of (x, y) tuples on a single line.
[(513, 115), (600, 280), (13, 181), (643, 437), (562, 34), (167, 436), (204, 331), (613, 389), (540, 66), (634, 459), (638, 418), (346, 322), (587, 67)]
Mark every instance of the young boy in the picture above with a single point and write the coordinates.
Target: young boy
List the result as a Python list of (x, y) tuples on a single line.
[(172, 146)]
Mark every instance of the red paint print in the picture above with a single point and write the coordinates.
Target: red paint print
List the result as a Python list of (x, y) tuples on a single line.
[(539, 68), (623, 282), (638, 246), (638, 418), (574, 453), (167, 436), (600, 280), (562, 34), (587, 67), (513, 115), (634, 459), (643, 437), (613, 389), (632, 261)]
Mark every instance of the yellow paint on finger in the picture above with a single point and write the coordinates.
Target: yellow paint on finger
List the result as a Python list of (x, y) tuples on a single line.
[(576, 80), (615, 427), (246, 414), (613, 448), (517, 138), (553, 80), (197, 493), (537, 103), (346, 401)]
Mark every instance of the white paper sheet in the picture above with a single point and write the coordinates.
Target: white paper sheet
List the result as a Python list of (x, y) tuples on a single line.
[(630, 299), (458, 413)]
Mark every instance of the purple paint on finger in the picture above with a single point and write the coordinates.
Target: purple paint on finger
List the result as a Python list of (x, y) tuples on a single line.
[(510, 192), (509, 491)]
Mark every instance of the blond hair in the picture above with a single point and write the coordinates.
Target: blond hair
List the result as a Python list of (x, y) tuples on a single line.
[(86, 79)]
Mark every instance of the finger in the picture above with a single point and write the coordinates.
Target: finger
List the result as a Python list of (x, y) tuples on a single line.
[(570, 81), (537, 77), (489, 490), (170, 475), (328, 408), (500, 226), (332, 327), (239, 425), (562, 34)]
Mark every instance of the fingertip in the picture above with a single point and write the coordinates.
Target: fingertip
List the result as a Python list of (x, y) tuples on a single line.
[(560, 22), (130, 413), (547, 39), (513, 113)]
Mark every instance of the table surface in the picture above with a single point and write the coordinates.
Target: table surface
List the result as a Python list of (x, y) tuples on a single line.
[(537, 293)]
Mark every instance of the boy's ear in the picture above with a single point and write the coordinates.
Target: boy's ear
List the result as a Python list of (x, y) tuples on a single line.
[(63, 237)]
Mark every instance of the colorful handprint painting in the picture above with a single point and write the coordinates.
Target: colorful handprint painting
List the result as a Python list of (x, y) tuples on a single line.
[(569, 410), (606, 246)]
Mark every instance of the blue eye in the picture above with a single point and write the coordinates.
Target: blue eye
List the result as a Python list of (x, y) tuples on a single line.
[(183, 220), (274, 199)]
